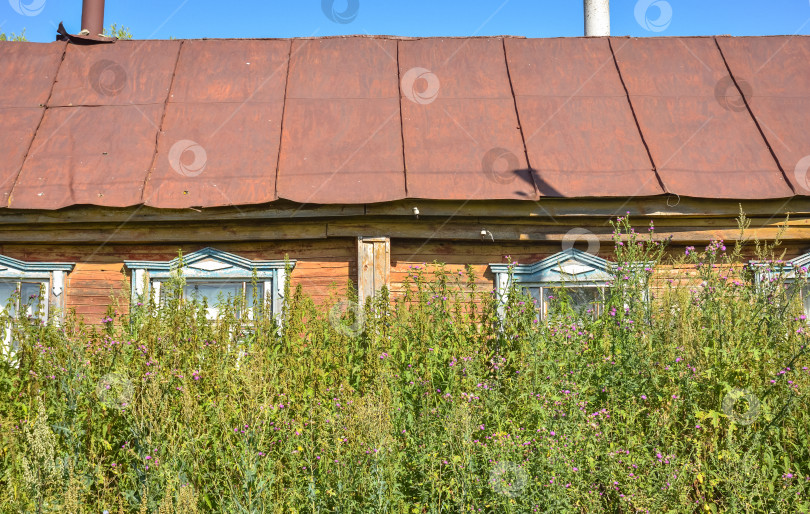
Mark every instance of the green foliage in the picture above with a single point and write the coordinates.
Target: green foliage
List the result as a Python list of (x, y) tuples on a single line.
[(687, 393), (116, 31), (13, 36)]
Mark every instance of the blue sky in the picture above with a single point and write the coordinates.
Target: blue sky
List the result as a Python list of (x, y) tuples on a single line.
[(161, 19)]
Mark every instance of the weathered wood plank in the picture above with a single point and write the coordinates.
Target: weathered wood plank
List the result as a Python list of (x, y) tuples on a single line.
[(115, 253), (663, 206), (278, 210), (642, 222), (169, 232), (495, 230), (499, 233), (382, 263), (92, 267)]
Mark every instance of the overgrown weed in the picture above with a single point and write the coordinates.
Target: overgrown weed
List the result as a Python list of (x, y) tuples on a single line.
[(686, 392)]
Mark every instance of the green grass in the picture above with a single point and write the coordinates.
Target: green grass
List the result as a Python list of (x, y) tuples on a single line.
[(692, 400)]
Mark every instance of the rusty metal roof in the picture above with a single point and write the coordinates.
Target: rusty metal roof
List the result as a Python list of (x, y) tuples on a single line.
[(341, 138), (577, 123), (459, 124), (703, 140), (358, 120), (773, 73)]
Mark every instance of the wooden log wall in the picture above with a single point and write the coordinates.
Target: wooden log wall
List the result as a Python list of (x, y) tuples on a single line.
[(327, 265), (324, 267)]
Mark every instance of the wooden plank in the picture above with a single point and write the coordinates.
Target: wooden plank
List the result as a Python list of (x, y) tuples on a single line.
[(382, 263), (408, 253), (92, 313), (87, 267), (365, 270), (662, 206), (277, 210), (106, 289), (97, 275), (210, 233), (322, 249), (373, 258), (642, 222), (495, 231), (498, 233)]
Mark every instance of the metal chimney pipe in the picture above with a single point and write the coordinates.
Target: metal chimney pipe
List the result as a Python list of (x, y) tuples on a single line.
[(597, 17), (93, 16)]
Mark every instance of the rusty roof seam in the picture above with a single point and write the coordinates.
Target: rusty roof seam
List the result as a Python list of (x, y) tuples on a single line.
[(517, 116), (635, 118), (401, 125), (332, 98), (160, 127), (360, 36), (281, 123), (131, 104), (753, 117), (36, 130)]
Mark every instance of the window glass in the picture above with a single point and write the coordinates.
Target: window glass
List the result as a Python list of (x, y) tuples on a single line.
[(255, 296), (583, 300), (30, 293), (806, 300), (6, 291), (215, 293), (535, 294)]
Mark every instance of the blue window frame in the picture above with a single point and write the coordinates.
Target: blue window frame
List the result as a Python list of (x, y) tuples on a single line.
[(211, 274), (26, 289), (584, 276), (791, 273)]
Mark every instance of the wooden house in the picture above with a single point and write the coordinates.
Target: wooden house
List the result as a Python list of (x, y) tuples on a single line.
[(359, 157)]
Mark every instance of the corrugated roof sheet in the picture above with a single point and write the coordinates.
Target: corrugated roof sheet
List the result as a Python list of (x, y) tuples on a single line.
[(773, 72), (579, 129), (229, 122), (702, 138), (353, 120), (341, 138), (461, 132)]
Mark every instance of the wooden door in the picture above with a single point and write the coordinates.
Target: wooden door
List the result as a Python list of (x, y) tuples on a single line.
[(373, 266)]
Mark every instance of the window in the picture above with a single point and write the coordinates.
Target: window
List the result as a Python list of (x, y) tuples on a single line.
[(805, 292), (583, 276), (26, 289), (29, 300), (213, 276), (791, 273), (213, 292), (581, 299)]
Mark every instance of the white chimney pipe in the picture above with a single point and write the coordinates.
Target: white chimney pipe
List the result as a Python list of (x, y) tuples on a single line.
[(597, 17)]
